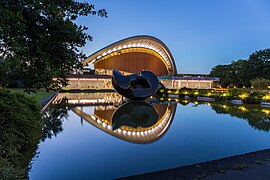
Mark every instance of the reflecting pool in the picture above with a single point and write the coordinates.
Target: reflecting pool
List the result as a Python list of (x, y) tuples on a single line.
[(98, 136)]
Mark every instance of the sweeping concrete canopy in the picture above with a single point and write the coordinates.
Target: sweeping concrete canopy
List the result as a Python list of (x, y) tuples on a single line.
[(134, 55)]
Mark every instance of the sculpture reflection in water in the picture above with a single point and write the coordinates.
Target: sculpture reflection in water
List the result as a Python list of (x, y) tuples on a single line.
[(134, 114)]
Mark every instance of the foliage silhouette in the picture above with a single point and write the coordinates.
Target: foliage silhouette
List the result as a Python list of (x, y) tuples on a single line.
[(40, 41)]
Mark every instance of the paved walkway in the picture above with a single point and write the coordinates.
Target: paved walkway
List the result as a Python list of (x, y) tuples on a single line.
[(248, 166)]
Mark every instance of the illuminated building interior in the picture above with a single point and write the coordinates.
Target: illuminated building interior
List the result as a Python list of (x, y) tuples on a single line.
[(132, 55)]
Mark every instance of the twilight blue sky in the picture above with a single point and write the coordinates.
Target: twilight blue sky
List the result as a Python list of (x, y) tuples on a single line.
[(199, 33)]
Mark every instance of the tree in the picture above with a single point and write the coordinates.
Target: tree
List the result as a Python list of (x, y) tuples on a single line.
[(242, 72), (2, 70), (225, 73), (41, 41), (259, 64), (240, 69)]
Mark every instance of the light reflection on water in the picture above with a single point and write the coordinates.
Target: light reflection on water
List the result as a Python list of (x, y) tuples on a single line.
[(88, 149)]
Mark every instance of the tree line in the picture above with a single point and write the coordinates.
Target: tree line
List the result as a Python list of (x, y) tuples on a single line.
[(254, 71)]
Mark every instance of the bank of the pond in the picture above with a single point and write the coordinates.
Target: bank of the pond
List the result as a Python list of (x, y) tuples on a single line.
[(47, 101), (249, 96), (42, 97), (21, 129), (38, 96), (255, 165)]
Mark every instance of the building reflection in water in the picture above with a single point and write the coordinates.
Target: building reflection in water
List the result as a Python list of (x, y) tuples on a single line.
[(107, 103), (142, 122), (108, 98)]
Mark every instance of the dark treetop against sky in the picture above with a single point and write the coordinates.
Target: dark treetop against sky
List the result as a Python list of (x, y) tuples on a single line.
[(199, 33)]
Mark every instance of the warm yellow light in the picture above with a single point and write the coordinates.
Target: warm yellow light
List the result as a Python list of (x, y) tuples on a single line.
[(169, 99), (209, 94), (224, 94), (161, 99), (266, 111), (176, 100), (196, 93), (244, 86), (169, 91), (185, 92), (242, 108), (162, 90), (267, 97), (224, 106), (252, 86), (242, 96), (195, 102), (268, 87), (132, 49)]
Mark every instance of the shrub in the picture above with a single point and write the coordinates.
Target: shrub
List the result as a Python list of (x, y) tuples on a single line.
[(254, 98), (236, 93), (20, 128), (260, 83)]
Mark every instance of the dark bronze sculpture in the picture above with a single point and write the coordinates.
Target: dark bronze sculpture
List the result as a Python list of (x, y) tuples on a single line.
[(134, 114), (135, 87)]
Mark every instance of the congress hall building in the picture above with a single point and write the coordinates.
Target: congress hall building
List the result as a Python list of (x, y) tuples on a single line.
[(133, 55)]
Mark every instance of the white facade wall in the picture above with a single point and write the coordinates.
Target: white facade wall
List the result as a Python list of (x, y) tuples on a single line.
[(194, 84), (102, 83)]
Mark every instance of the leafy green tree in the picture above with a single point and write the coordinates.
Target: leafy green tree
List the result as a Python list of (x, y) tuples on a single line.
[(259, 64), (7, 76), (225, 73), (2, 70), (41, 41), (240, 72)]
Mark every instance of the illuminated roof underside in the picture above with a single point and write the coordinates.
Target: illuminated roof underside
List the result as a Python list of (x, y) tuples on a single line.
[(128, 54)]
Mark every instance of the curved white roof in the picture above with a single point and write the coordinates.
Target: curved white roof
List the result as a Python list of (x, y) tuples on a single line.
[(147, 42)]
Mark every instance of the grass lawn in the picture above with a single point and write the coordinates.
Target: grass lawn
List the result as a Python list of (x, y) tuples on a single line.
[(39, 96)]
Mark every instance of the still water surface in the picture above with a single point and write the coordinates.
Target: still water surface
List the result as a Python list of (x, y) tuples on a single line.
[(87, 148)]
